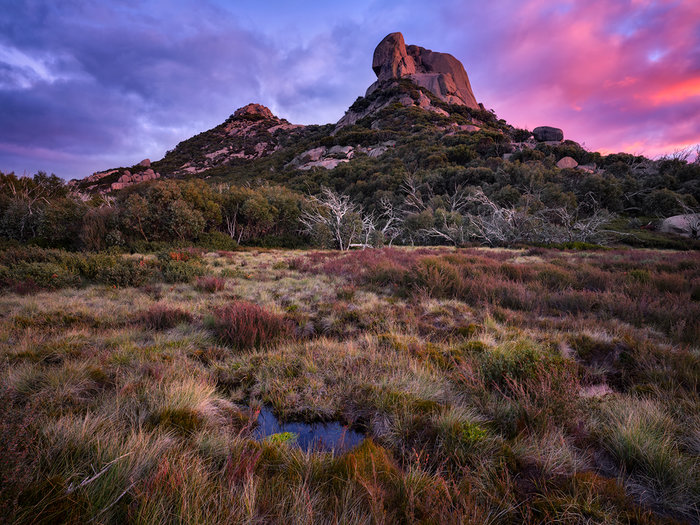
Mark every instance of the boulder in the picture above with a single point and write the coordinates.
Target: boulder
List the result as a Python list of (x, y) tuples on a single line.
[(313, 155), (340, 150), (390, 59), (567, 163), (548, 134), (686, 225), (440, 73), (145, 162)]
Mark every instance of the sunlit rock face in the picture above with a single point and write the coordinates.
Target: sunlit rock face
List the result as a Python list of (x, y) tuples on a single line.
[(440, 73)]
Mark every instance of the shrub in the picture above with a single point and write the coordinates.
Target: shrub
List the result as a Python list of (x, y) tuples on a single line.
[(438, 278), (245, 325), (42, 274), (125, 273), (217, 241), (210, 284), (181, 271), (161, 317)]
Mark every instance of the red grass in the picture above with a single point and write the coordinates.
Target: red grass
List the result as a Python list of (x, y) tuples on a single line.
[(161, 317), (210, 284), (245, 325)]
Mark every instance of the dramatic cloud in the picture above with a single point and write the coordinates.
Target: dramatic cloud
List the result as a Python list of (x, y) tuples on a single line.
[(90, 85), (621, 75)]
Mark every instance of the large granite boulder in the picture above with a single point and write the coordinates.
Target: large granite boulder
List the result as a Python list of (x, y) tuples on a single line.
[(567, 163), (548, 134), (685, 225), (390, 59), (440, 73)]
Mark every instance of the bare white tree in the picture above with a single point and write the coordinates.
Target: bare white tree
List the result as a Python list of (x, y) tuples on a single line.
[(337, 213), (391, 220), (413, 200), (495, 224)]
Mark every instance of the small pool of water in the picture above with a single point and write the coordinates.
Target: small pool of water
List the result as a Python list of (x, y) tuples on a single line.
[(324, 437)]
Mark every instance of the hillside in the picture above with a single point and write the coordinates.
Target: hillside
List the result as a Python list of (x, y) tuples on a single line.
[(420, 121)]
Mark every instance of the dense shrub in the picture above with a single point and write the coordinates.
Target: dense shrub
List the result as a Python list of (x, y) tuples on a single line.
[(41, 274), (181, 271), (217, 241), (245, 325)]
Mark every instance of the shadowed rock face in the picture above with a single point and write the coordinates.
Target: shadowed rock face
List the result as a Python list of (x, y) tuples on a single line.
[(548, 134), (441, 73)]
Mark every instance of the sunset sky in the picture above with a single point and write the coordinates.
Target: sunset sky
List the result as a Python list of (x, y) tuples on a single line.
[(89, 85)]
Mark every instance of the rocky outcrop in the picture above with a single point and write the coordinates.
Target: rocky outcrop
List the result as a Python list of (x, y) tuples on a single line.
[(440, 73), (254, 111), (329, 158), (548, 134)]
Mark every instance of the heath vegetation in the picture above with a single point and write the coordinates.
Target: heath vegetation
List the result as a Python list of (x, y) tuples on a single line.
[(492, 385)]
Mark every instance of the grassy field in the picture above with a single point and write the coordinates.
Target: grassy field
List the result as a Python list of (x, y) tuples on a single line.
[(494, 386)]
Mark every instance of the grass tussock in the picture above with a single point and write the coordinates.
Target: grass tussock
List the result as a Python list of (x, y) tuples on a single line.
[(162, 317), (244, 325)]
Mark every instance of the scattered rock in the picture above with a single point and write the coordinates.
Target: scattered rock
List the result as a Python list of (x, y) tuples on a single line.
[(685, 225), (406, 101), (313, 154), (567, 163), (548, 134), (588, 168), (328, 164), (340, 150)]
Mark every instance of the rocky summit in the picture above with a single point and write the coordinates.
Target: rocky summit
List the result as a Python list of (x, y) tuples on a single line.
[(441, 73)]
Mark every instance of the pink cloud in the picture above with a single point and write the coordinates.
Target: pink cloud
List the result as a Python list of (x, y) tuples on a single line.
[(621, 75)]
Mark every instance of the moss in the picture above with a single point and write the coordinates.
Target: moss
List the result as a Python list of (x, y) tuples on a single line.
[(468, 330)]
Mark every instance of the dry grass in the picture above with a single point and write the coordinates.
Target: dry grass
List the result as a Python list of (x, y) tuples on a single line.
[(495, 386)]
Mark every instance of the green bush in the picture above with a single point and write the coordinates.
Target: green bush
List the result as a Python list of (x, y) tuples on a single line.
[(43, 275), (217, 241), (181, 271)]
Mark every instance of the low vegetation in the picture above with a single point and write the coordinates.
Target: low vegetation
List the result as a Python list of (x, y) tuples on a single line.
[(493, 385)]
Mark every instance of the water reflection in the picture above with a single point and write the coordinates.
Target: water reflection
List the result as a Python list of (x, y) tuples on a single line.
[(309, 436)]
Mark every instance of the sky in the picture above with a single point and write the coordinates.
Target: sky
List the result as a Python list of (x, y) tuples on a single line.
[(86, 85)]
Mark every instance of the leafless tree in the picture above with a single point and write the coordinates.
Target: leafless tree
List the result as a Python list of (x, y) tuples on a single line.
[(449, 226), (494, 224), (413, 200), (337, 213), (391, 220), (562, 224)]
